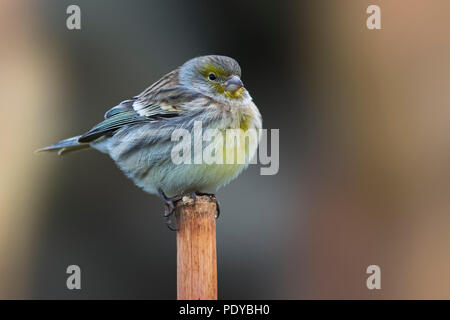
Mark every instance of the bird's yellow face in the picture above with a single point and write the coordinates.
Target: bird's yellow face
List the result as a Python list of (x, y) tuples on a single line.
[(215, 76), (226, 82)]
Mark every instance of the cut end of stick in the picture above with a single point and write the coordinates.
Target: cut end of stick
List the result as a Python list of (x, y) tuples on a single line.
[(189, 200), (203, 205)]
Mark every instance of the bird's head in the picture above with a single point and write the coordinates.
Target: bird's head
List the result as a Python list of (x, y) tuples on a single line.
[(214, 76)]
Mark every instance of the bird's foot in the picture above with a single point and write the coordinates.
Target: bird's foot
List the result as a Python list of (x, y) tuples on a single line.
[(169, 209)]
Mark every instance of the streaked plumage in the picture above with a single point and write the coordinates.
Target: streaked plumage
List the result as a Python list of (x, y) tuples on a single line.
[(137, 132)]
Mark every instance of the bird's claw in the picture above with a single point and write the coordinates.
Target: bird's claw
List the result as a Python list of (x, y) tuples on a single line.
[(217, 209), (169, 209), (170, 206)]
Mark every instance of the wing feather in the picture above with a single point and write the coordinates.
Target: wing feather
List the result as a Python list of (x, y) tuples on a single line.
[(112, 123), (164, 99)]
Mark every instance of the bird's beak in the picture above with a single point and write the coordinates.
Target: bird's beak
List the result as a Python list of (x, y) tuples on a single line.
[(233, 84)]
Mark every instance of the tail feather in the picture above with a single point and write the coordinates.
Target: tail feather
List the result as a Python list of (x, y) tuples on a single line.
[(66, 146)]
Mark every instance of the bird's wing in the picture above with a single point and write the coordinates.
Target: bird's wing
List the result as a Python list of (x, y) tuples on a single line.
[(164, 99), (112, 123)]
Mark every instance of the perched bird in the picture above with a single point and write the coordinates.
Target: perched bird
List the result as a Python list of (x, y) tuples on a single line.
[(137, 133)]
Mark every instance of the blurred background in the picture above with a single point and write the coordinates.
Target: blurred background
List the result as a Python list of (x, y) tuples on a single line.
[(364, 148)]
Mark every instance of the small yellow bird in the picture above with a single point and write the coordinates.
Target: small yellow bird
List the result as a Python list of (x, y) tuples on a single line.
[(137, 132)]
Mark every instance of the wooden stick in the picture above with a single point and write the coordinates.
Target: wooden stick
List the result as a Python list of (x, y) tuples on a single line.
[(196, 249)]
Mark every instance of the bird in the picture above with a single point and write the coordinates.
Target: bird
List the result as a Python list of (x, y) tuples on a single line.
[(136, 133)]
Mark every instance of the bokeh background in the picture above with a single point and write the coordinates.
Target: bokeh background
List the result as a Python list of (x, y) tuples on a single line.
[(364, 148)]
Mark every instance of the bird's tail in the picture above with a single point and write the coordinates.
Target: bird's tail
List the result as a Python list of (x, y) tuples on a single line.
[(66, 146)]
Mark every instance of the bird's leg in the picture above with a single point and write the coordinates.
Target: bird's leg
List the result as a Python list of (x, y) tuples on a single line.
[(169, 202), (210, 195), (169, 208)]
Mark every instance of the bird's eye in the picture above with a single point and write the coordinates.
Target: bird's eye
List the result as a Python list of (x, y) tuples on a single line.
[(212, 76)]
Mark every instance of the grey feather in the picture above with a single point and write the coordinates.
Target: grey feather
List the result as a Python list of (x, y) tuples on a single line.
[(66, 146), (126, 105)]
